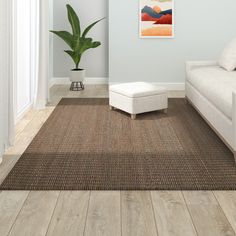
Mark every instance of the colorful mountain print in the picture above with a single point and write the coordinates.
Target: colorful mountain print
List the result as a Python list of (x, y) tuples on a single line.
[(164, 20), (151, 12), (156, 18), (146, 17), (157, 9), (166, 12), (165, 31)]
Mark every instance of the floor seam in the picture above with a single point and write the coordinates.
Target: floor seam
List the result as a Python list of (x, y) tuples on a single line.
[(222, 210), (189, 212), (121, 225), (154, 214), (18, 213), (86, 218), (53, 212)]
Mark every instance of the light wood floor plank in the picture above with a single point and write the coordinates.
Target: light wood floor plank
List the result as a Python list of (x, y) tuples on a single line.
[(171, 213), (207, 215), (24, 138), (137, 214), (21, 124), (104, 214), (6, 165), (35, 215), (70, 214), (11, 203), (227, 201)]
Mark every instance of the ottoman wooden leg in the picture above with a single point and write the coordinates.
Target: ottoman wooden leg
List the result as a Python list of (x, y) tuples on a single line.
[(111, 108), (186, 100), (165, 110), (133, 116)]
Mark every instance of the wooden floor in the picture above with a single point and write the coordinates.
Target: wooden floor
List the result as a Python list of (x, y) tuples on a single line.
[(106, 212)]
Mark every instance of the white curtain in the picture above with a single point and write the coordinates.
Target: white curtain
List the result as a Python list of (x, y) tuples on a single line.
[(42, 54), (6, 76), (40, 71)]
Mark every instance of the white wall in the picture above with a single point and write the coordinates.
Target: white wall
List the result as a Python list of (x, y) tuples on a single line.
[(95, 61), (202, 29)]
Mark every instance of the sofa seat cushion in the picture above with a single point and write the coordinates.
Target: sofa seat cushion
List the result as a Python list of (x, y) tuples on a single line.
[(216, 84)]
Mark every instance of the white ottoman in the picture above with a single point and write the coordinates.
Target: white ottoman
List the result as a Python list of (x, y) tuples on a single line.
[(138, 97)]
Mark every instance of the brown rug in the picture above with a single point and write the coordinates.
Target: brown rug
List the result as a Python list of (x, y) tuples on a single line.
[(85, 146)]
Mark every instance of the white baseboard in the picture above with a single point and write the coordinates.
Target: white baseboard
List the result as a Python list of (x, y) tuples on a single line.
[(94, 80), (88, 80), (172, 86)]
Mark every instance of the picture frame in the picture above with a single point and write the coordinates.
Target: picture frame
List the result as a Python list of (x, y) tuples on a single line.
[(156, 19)]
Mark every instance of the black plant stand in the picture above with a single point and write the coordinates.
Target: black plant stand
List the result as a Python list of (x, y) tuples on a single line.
[(77, 86)]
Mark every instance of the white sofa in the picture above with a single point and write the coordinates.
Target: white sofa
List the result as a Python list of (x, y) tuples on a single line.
[(212, 91)]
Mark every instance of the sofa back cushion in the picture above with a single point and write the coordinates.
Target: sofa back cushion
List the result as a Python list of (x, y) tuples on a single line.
[(228, 57)]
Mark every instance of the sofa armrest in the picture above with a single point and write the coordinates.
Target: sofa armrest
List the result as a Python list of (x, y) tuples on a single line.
[(190, 65), (234, 119)]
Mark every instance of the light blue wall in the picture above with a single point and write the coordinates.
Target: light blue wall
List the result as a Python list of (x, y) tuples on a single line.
[(201, 31)]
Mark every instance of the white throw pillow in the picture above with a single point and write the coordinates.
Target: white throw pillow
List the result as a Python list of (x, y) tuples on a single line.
[(228, 57)]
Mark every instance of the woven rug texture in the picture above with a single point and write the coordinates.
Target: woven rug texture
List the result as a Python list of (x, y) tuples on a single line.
[(85, 146)]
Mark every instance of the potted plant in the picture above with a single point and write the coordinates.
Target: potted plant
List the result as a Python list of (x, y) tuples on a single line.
[(78, 43)]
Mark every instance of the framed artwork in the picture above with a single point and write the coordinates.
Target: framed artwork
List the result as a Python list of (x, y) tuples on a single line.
[(156, 19)]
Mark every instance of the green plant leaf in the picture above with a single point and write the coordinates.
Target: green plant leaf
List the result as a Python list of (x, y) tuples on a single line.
[(96, 44), (85, 44), (66, 36), (90, 27), (75, 56), (71, 54), (74, 20)]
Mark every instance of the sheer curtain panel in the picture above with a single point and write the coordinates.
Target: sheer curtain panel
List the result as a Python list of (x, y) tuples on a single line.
[(6, 76), (42, 54)]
